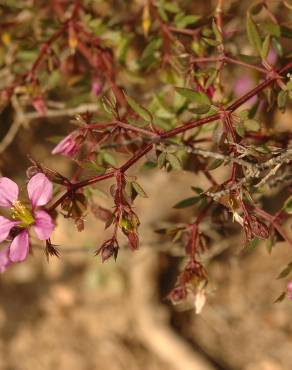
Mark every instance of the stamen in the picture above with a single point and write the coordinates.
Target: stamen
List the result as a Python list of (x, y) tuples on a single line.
[(21, 213)]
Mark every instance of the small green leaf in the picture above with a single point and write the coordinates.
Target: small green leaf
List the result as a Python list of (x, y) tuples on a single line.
[(286, 271), (184, 21), (288, 205), (289, 85), (149, 165), (251, 125), (197, 190), (271, 28), (281, 100), (211, 78), (161, 160), (240, 129), (141, 111), (217, 32), (188, 202), (192, 95), (210, 42), (215, 164), (280, 298), (171, 7), (109, 158), (139, 189), (174, 161), (266, 47), (277, 46), (151, 47), (253, 34)]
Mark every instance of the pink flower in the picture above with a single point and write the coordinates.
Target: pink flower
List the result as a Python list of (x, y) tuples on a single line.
[(272, 57), (242, 86), (96, 88), (40, 191), (39, 105), (68, 146), (289, 290)]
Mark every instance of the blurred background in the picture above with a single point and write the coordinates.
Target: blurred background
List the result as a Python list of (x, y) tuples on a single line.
[(79, 314)]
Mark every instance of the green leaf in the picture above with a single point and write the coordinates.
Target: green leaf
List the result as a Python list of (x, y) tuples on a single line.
[(253, 34), (281, 100), (171, 7), (285, 272), (139, 189), (215, 164), (288, 205), (198, 97), (210, 42), (109, 158), (187, 202), (271, 28), (240, 129), (197, 190), (251, 125), (277, 46), (151, 47), (280, 298), (149, 165), (217, 32), (123, 49), (266, 47), (141, 111), (289, 85), (211, 78), (184, 21), (161, 160), (174, 161)]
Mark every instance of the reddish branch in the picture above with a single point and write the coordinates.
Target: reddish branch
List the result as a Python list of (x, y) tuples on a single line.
[(178, 130)]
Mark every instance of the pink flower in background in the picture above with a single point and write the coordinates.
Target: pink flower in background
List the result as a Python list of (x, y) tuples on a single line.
[(242, 86), (39, 105), (68, 146), (40, 191), (289, 290), (272, 57), (96, 88)]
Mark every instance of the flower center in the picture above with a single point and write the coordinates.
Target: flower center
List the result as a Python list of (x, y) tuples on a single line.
[(21, 213)]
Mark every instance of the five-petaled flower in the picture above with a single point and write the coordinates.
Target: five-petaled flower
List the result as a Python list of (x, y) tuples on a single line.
[(15, 230)]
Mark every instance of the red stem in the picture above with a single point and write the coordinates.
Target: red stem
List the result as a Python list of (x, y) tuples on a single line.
[(176, 131)]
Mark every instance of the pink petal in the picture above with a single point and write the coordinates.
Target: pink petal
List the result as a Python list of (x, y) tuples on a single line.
[(242, 86), (19, 247), (44, 225), (4, 259), (65, 146), (5, 227), (8, 192), (40, 190)]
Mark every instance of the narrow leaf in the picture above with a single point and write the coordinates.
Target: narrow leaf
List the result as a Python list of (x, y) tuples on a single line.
[(253, 34), (187, 202), (174, 161), (192, 95), (141, 111), (285, 272), (139, 189)]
